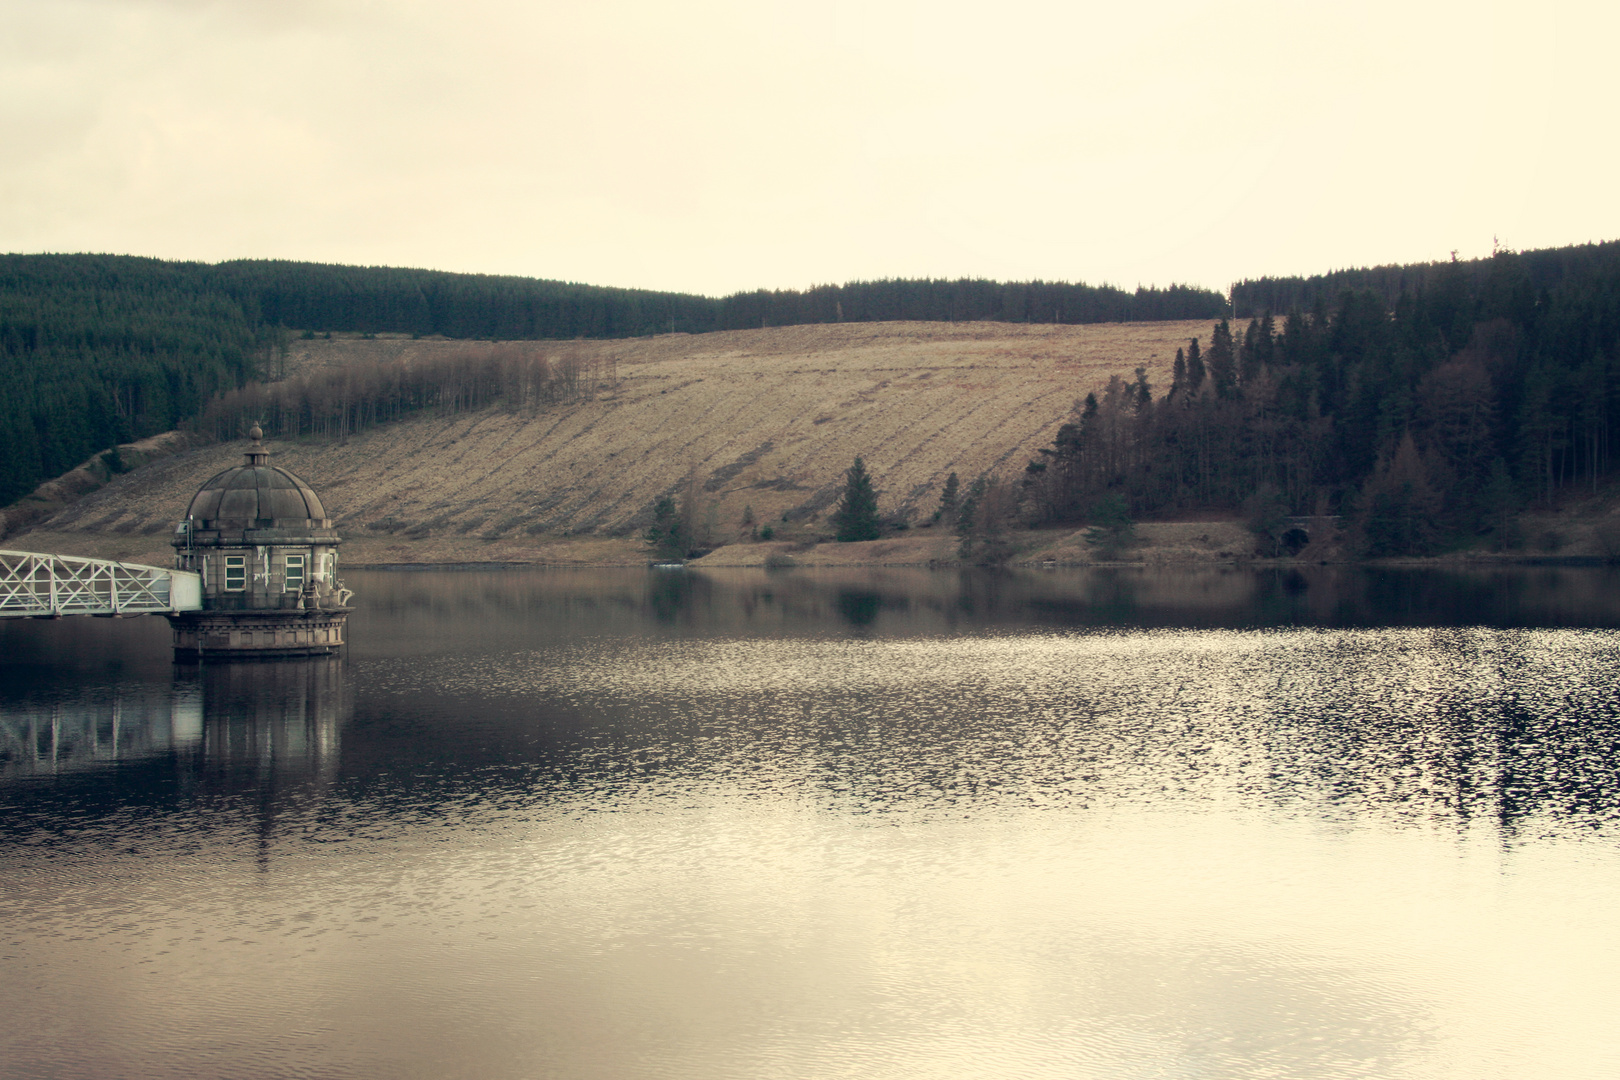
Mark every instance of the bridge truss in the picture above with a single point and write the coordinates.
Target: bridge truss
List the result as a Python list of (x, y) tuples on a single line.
[(33, 585)]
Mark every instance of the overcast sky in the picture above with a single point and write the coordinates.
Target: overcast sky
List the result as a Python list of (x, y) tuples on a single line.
[(712, 146)]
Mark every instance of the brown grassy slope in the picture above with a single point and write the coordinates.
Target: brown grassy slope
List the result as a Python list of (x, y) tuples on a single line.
[(768, 419), (57, 494)]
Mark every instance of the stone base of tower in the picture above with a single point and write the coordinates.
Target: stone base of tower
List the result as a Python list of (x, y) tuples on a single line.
[(244, 635)]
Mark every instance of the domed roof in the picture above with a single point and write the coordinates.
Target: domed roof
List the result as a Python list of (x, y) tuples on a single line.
[(257, 495)]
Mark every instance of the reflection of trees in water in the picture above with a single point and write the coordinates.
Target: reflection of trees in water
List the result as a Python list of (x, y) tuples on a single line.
[(1460, 725), (1539, 762), (677, 595), (1402, 597), (859, 608), (1281, 597), (1112, 595), (417, 613), (982, 593), (774, 601), (1509, 596)]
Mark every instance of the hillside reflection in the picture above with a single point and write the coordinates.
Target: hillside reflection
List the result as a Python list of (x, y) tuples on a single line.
[(488, 604), (1403, 695)]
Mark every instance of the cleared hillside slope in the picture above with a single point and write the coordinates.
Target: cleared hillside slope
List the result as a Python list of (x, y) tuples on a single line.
[(764, 419)]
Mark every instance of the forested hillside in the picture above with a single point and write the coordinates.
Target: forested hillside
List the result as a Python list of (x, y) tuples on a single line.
[(1430, 403), (97, 350), (1432, 415), (94, 352)]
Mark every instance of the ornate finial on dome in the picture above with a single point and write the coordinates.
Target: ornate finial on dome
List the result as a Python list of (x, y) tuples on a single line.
[(256, 453)]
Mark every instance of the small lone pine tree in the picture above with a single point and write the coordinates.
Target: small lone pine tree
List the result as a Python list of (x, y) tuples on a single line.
[(667, 535), (857, 517), (967, 517)]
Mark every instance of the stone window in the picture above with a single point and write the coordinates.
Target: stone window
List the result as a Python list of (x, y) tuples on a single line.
[(235, 573), (295, 572)]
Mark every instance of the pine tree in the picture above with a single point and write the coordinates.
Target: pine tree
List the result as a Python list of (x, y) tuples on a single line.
[(967, 517), (1265, 346), (1222, 361), (667, 536), (1252, 353), (1399, 506), (1499, 508), (1142, 390), (946, 514), (856, 517)]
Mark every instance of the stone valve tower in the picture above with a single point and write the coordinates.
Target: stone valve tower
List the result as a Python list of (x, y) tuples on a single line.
[(267, 554)]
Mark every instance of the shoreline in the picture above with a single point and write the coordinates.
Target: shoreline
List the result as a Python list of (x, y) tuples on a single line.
[(1208, 543), (1166, 544), (1438, 562)]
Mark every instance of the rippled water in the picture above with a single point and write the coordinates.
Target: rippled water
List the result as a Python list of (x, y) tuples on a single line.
[(879, 824)]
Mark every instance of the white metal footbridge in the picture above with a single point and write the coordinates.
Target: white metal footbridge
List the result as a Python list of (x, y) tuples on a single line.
[(39, 586)]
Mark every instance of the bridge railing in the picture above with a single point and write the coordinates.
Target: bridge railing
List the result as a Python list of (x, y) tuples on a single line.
[(34, 585)]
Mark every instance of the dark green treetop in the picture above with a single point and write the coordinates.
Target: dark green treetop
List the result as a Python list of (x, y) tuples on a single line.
[(668, 535), (948, 501), (856, 517)]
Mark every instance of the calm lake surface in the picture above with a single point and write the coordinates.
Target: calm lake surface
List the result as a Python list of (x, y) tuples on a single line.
[(887, 824)]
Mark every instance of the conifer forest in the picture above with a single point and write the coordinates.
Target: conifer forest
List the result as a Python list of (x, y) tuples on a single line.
[(1430, 403)]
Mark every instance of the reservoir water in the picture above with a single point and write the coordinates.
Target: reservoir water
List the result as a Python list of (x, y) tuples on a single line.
[(816, 824)]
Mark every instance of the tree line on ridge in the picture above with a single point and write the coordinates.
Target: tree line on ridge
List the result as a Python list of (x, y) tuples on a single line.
[(96, 350)]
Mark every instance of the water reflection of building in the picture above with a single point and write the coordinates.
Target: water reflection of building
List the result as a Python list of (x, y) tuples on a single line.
[(283, 719)]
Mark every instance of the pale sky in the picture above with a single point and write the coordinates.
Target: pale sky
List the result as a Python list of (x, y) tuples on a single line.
[(713, 146)]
